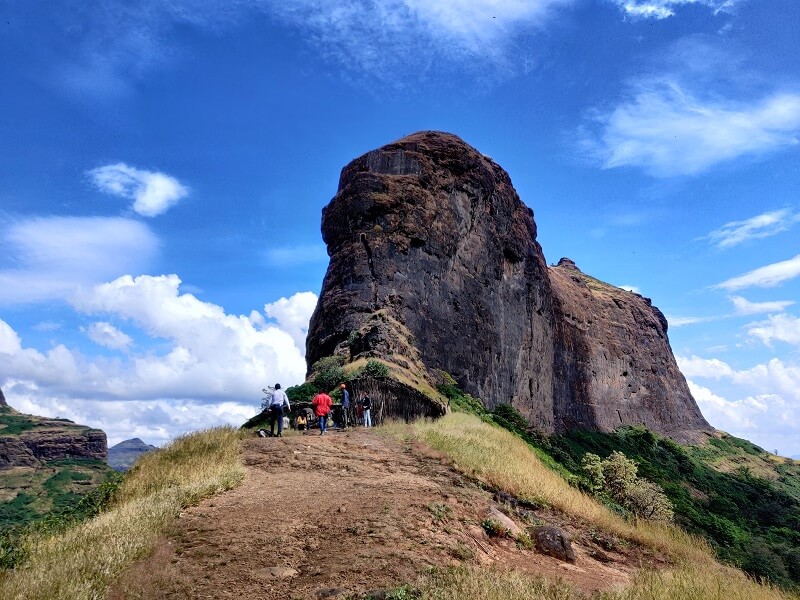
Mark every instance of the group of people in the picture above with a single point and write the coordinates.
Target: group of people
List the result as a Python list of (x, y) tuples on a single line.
[(323, 407)]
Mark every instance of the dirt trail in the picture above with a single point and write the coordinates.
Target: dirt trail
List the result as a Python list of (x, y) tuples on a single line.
[(337, 515)]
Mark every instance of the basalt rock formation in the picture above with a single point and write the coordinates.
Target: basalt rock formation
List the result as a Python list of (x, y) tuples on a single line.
[(435, 268), (30, 441)]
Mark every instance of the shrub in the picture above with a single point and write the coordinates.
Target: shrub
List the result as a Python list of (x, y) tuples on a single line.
[(328, 372), (617, 477), (375, 368), (301, 393)]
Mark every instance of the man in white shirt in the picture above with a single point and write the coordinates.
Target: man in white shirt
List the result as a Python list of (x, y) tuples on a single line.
[(276, 406)]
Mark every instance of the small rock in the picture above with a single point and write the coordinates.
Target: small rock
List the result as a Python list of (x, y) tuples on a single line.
[(277, 573), (495, 515), (553, 542)]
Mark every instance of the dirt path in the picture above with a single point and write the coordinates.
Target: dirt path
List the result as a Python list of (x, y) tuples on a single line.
[(337, 515)]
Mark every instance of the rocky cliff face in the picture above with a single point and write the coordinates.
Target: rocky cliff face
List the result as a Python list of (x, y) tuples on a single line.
[(435, 267), (30, 441), (613, 362)]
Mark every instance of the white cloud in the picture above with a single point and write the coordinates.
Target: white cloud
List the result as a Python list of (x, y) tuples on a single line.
[(781, 328), (695, 366), (108, 336), (293, 315), (394, 39), (661, 9), (668, 131), (767, 410), (154, 421), (767, 276), (53, 255), (745, 307), (761, 226), (204, 354), (676, 321), (153, 193)]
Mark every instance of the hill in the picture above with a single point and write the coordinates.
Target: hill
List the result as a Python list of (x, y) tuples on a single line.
[(360, 515), (122, 456), (46, 466)]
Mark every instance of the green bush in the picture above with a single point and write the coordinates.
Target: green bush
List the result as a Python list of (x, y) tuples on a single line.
[(375, 368), (328, 372), (617, 477), (301, 393)]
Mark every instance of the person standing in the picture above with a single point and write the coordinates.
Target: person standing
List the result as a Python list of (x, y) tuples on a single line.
[(366, 406), (322, 408), (345, 406), (276, 405)]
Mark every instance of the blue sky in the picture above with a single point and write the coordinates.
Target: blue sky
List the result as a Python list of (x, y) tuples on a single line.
[(163, 166)]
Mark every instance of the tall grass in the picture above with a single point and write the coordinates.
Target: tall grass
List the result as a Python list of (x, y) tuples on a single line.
[(80, 563), (683, 583), (504, 461)]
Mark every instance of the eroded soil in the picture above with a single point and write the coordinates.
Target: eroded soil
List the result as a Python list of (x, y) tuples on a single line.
[(343, 514)]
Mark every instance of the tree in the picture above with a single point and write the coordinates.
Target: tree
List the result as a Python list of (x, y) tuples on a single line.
[(616, 477)]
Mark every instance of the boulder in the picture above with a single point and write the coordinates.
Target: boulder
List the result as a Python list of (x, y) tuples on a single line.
[(554, 542)]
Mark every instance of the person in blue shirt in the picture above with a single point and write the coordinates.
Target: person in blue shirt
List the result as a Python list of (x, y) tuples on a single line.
[(345, 406)]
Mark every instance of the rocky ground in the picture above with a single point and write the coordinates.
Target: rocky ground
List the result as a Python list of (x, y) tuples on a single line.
[(344, 514)]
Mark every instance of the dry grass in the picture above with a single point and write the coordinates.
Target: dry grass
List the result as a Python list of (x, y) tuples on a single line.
[(490, 584), (80, 563), (692, 582), (685, 583), (504, 461)]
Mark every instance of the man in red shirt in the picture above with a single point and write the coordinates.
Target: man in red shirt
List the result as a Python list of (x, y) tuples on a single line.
[(322, 406)]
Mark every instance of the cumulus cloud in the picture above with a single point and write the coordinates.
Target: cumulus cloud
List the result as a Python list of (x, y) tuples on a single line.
[(661, 9), (108, 336), (694, 366), (153, 193), (766, 408), (293, 315), (48, 257), (745, 307), (766, 276), (781, 328), (761, 226), (208, 366), (155, 421), (667, 130)]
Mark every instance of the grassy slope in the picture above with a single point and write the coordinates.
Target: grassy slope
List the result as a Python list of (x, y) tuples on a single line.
[(503, 460), (745, 502), (81, 562)]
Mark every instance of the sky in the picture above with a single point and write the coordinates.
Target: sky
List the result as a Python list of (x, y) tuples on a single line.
[(164, 164)]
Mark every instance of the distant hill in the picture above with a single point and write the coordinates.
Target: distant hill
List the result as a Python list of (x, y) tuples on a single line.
[(122, 456), (46, 465)]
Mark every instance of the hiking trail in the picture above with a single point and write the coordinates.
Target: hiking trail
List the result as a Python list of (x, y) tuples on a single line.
[(341, 515)]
